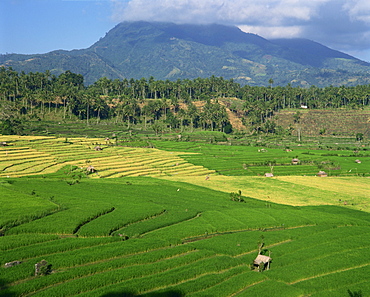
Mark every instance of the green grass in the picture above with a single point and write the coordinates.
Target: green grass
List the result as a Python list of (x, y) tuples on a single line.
[(183, 236), (183, 239), (252, 161)]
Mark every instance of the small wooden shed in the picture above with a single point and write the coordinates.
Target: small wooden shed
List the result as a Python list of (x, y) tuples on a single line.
[(262, 260), (295, 161), (90, 169), (322, 174)]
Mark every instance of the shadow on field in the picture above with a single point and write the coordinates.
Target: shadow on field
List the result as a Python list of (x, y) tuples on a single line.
[(4, 289), (354, 293), (129, 294)]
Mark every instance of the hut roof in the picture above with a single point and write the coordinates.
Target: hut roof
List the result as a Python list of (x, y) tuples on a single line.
[(261, 259), (90, 168), (322, 173)]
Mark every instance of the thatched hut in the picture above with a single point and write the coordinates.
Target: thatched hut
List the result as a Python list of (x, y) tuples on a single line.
[(262, 261), (322, 174), (90, 169), (295, 161)]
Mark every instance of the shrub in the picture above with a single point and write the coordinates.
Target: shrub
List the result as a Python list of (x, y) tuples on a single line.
[(237, 196), (42, 268)]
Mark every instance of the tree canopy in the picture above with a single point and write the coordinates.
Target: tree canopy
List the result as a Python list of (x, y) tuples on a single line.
[(173, 102)]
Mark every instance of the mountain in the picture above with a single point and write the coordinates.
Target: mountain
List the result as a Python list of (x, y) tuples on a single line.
[(173, 51)]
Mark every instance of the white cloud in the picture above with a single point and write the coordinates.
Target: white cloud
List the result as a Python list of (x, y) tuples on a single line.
[(358, 10), (273, 32), (218, 11)]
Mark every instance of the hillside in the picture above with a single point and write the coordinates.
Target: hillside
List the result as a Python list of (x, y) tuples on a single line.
[(170, 51), (329, 122)]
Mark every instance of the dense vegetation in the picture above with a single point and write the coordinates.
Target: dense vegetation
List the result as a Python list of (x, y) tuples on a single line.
[(162, 105)]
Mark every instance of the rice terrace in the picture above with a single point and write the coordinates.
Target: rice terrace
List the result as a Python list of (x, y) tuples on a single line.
[(181, 219), (202, 187)]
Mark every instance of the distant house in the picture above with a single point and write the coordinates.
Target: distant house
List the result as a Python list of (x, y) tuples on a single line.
[(322, 174), (295, 161), (98, 148), (262, 260), (304, 106), (269, 175), (358, 161)]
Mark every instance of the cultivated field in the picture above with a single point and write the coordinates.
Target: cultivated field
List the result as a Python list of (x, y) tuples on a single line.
[(166, 226), (35, 155), (349, 192)]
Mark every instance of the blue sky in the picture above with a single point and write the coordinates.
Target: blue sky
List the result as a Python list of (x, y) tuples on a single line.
[(40, 26)]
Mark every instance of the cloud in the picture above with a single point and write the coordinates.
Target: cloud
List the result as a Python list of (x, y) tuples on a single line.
[(217, 11), (341, 24), (358, 10), (274, 31)]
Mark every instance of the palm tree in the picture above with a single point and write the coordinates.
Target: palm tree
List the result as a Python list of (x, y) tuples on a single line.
[(192, 114), (130, 110), (271, 82), (181, 114), (164, 106)]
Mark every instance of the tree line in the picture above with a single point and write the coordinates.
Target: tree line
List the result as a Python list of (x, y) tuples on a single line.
[(162, 102)]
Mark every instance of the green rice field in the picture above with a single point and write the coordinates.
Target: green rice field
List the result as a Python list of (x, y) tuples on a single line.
[(160, 222)]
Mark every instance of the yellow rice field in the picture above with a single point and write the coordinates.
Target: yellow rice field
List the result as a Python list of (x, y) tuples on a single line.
[(353, 192), (35, 155)]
